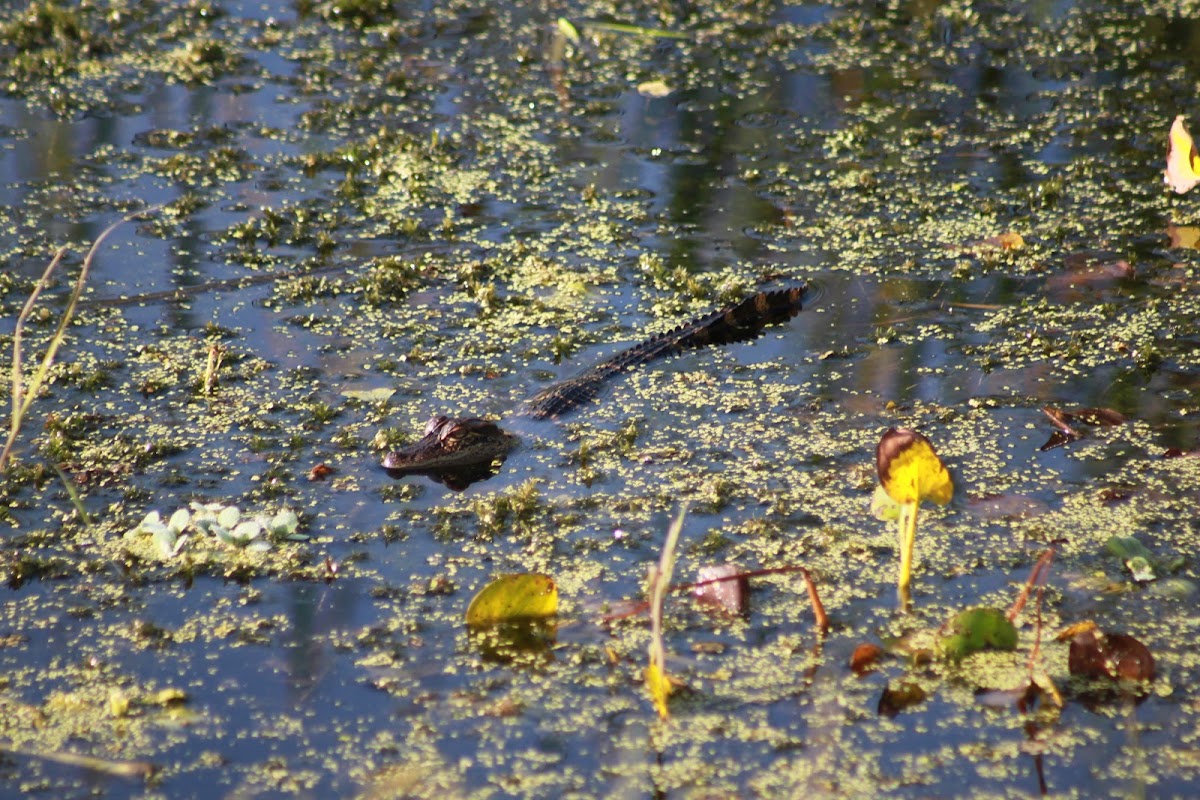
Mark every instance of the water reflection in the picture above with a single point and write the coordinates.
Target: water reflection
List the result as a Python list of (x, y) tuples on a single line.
[(739, 174)]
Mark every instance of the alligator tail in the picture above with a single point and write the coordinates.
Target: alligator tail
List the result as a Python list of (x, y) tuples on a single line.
[(737, 323)]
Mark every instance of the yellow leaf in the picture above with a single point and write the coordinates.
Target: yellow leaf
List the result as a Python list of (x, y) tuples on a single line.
[(653, 89), (1187, 236), (118, 703), (910, 470), (509, 598), (659, 686), (168, 697), (1072, 631), (1009, 240), (1183, 164)]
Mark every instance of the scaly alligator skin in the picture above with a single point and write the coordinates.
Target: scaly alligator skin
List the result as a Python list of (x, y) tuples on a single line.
[(470, 444)]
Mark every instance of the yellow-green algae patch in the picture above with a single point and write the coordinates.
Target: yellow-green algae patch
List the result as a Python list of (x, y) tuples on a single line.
[(426, 262)]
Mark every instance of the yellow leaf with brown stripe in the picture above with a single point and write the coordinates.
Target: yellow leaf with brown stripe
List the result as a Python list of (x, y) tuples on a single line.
[(910, 471), (1183, 163)]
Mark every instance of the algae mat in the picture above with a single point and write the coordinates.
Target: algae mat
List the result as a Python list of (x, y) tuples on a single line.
[(358, 214)]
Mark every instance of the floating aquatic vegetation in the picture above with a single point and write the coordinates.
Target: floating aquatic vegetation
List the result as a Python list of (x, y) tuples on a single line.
[(224, 523), (909, 472), (514, 598)]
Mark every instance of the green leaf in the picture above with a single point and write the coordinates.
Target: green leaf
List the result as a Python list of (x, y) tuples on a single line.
[(179, 520), (242, 534), (636, 30), (285, 521), (567, 29), (380, 395), (227, 517), (1127, 547), (169, 542), (1174, 588), (509, 598), (1141, 569), (281, 526), (166, 540), (979, 629), (653, 89)]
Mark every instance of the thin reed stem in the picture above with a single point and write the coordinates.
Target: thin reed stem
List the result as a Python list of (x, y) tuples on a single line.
[(23, 396)]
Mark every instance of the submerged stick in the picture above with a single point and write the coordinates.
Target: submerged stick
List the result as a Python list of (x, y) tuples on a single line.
[(1037, 576), (819, 616)]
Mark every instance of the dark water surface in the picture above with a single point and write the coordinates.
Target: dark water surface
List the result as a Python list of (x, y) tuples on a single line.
[(457, 204)]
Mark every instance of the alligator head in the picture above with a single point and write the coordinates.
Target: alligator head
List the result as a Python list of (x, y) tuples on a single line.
[(452, 445)]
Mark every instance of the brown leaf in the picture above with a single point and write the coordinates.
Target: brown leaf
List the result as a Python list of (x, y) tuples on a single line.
[(1088, 270), (720, 586), (1128, 658), (320, 472), (864, 658), (1111, 495), (1085, 658), (1061, 420), (1058, 439), (1009, 240), (1184, 236), (899, 698), (1006, 506), (1099, 416), (1114, 656)]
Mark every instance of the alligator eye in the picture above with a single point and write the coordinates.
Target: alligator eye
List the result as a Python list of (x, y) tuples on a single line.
[(451, 431), (435, 423)]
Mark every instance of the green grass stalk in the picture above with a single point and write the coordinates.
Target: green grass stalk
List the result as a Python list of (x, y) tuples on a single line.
[(22, 395), (73, 493)]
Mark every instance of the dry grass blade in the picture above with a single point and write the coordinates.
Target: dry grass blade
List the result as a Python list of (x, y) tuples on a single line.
[(661, 582), (657, 679), (118, 769), (18, 405), (215, 354), (23, 396)]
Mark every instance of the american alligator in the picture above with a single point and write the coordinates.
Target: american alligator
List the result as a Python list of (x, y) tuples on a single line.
[(459, 450)]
